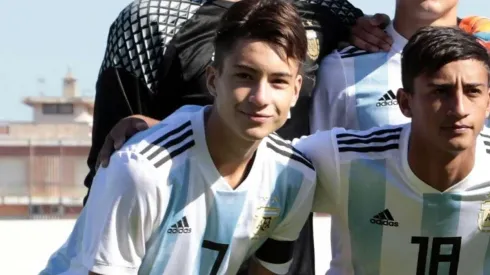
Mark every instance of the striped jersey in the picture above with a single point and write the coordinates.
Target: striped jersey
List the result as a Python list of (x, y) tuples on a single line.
[(161, 206), (357, 89), (387, 221)]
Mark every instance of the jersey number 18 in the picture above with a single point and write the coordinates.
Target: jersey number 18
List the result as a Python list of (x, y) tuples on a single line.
[(436, 256)]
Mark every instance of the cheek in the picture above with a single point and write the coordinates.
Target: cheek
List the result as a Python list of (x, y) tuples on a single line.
[(283, 101), (227, 94), (425, 111)]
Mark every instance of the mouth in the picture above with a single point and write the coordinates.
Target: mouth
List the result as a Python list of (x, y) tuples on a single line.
[(256, 117), (457, 128)]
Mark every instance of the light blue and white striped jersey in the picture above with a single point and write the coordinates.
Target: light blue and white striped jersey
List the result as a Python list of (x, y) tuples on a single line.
[(161, 206), (385, 220), (357, 90)]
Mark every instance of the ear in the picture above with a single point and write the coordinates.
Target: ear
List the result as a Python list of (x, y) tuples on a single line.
[(298, 82), (211, 75), (404, 100)]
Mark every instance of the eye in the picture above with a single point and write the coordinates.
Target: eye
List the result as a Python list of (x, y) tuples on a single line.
[(280, 81), (243, 76), (474, 91), (440, 91)]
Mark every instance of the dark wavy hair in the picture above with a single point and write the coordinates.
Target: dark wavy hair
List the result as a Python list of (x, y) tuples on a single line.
[(275, 22), (431, 48)]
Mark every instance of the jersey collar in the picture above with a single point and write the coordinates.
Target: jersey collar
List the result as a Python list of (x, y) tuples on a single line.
[(399, 41), (206, 164)]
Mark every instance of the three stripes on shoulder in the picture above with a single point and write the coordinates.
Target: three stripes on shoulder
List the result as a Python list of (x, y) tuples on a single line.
[(352, 51), (486, 142), (281, 147), (369, 141), (169, 145), (180, 139)]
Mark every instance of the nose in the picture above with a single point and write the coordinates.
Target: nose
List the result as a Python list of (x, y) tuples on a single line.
[(457, 104), (260, 95)]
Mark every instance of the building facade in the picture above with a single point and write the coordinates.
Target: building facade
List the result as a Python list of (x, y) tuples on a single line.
[(43, 162)]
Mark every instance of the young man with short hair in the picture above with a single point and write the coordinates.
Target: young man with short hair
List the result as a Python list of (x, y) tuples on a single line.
[(208, 187), (414, 198)]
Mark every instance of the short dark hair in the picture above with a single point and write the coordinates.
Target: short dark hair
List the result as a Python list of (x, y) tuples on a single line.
[(431, 48), (275, 22)]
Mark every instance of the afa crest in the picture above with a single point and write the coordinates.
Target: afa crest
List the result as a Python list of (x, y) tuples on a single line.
[(484, 217), (264, 219), (313, 45)]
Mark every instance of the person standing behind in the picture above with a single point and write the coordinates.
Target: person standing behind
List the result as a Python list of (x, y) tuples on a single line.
[(357, 89)]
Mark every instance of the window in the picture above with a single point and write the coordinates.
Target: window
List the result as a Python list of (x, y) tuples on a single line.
[(66, 109), (49, 109), (35, 209), (58, 108)]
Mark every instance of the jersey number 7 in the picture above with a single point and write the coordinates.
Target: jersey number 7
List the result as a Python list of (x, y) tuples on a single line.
[(436, 255), (221, 248)]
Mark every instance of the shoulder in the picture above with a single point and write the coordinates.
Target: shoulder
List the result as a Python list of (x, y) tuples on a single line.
[(282, 151), (169, 141), (331, 67), (341, 61), (375, 143)]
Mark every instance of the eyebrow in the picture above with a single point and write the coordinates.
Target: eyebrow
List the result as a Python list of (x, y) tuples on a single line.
[(451, 85), (248, 68)]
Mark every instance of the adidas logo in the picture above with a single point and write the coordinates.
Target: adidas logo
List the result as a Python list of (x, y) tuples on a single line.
[(180, 227), (387, 99), (384, 218)]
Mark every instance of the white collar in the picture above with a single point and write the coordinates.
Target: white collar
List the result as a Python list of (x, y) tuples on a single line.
[(399, 41)]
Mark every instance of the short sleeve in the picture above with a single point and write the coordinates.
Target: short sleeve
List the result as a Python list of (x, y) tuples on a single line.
[(120, 215), (329, 95), (322, 151), (276, 252), (290, 227)]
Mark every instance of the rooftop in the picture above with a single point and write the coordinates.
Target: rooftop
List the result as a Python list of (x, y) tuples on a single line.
[(81, 100)]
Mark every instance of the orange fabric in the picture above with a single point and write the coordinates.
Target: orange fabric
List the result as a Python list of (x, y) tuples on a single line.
[(478, 26)]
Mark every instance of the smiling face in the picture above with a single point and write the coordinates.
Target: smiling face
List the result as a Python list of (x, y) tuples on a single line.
[(255, 87), (449, 108)]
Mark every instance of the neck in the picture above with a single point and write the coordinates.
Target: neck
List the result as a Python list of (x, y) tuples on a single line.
[(406, 24), (437, 168), (231, 154)]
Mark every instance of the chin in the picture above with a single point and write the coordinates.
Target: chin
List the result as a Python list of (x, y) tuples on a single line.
[(255, 134), (431, 11), (458, 145)]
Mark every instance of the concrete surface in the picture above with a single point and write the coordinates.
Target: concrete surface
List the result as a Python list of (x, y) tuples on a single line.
[(26, 245)]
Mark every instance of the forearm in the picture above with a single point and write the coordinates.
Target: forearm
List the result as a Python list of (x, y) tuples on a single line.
[(112, 103)]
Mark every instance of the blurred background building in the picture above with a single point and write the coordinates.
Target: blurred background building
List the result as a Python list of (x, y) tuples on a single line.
[(43, 162)]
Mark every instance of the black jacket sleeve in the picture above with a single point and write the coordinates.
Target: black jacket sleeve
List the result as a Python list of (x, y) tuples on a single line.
[(112, 103)]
